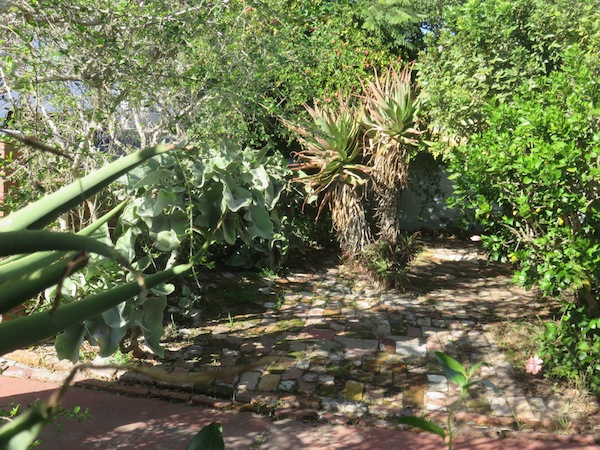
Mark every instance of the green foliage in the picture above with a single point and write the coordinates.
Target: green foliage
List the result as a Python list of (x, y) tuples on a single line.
[(398, 22), (570, 347), (330, 167), (237, 196), (389, 262), (347, 158), (463, 378), (511, 88), (532, 179), (21, 432), (208, 438), (230, 198), (491, 49), (69, 317)]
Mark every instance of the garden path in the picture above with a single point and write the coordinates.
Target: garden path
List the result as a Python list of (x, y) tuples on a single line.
[(345, 352)]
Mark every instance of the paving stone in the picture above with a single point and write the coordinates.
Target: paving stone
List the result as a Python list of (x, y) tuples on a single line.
[(16, 371), (293, 373), (538, 406), (437, 383), (434, 401), (353, 390), (310, 377), (353, 409), (424, 322), (411, 347), (248, 381), (303, 364), (269, 382), (520, 407), (500, 407), (325, 380), (383, 328), (388, 411), (287, 385)]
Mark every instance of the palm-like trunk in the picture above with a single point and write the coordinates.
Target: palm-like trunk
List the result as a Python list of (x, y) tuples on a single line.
[(390, 176), (350, 219)]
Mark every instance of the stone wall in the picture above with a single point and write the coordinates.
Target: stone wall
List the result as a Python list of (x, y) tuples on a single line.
[(423, 204)]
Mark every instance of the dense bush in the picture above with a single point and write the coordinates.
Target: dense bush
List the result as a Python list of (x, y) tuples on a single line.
[(532, 178), (512, 92)]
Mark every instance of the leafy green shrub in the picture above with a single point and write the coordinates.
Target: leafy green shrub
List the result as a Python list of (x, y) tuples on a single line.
[(570, 347), (532, 178), (37, 259), (493, 48), (388, 262), (173, 206), (240, 194)]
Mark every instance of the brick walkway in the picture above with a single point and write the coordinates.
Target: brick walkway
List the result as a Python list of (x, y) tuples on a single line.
[(346, 352)]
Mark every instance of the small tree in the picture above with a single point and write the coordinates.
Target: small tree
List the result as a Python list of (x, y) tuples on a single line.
[(390, 116)]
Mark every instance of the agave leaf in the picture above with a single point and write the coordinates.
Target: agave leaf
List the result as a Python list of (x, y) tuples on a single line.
[(25, 331), (29, 241), (42, 212), (25, 288), (30, 263)]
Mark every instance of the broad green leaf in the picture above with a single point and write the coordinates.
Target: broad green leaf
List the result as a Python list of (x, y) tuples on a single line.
[(167, 240), (452, 368), (152, 323), (68, 343), (164, 200), (230, 228), (423, 424), (261, 224), (113, 317), (236, 198), (107, 338), (163, 289), (208, 438), (153, 178), (126, 243)]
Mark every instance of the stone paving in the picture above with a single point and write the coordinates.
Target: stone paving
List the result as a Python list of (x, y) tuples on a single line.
[(343, 351)]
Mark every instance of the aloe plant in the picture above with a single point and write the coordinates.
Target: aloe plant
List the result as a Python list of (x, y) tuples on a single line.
[(330, 167), (390, 116)]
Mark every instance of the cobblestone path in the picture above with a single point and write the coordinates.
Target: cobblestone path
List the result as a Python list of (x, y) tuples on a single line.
[(346, 352)]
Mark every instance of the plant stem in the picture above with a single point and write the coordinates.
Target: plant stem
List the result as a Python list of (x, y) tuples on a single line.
[(463, 393)]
